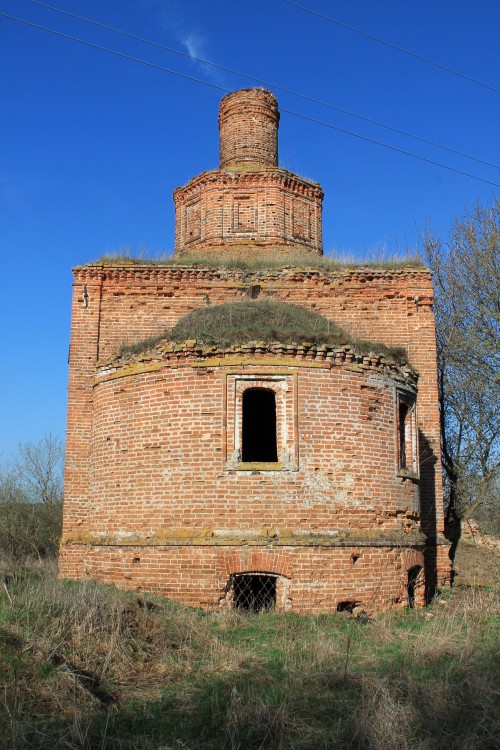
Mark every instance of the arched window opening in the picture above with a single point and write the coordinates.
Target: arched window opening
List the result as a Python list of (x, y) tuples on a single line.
[(402, 432), (259, 442), (413, 576), (254, 592)]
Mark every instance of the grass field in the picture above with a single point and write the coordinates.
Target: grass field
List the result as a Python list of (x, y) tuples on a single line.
[(86, 666)]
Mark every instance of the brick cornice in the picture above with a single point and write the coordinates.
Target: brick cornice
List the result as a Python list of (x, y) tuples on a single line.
[(247, 178), (196, 354), (135, 273)]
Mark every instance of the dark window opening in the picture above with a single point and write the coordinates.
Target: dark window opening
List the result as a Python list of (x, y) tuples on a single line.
[(413, 575), (403, 414), (259, 426), (346, 606), (254, 593)]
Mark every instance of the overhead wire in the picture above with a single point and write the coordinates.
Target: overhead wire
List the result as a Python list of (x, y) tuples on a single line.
[(393, 46), (386, 145), (225, 90), (265, 83)]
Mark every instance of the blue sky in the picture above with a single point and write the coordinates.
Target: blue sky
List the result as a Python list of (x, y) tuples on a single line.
[(93, 144)]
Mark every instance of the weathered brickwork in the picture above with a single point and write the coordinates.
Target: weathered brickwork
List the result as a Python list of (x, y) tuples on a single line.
[(248, 126), (158, 494), (314, 579), (232, 210), (162, 449), (249, 204)]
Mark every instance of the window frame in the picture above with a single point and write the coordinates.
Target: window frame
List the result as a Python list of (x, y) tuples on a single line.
[(249, 440), (407, 461), (285, 390)]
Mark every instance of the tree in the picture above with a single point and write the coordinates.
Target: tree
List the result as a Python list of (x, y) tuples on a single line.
[(39, 469), (466, 271), (31, 501)]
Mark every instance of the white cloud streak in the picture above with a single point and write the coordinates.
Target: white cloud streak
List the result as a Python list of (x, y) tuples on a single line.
[(195, 46)]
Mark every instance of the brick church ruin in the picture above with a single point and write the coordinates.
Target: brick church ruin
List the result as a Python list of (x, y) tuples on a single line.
[(260, 472)]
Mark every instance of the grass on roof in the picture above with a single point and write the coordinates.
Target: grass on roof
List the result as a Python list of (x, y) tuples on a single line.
[(262, 320), (247, 259)]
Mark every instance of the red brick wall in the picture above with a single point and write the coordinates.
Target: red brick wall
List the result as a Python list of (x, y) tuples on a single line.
[(112, 306), (248, 126), (313, 579), (160, 458), (230, 210)]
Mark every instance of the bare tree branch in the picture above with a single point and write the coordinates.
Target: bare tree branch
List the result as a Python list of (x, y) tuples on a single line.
[(466, 270)]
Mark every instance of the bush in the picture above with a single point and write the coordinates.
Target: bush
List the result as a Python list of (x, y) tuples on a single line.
[(31, 502), (28, 531)]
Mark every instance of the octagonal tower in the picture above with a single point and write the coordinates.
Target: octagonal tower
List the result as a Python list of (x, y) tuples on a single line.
[(249, 204)]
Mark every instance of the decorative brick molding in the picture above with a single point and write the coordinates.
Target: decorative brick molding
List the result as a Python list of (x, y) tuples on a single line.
[(271, 208)]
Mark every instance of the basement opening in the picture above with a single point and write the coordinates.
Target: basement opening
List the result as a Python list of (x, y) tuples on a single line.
[(413, 575), (254, 592), (259, 440)]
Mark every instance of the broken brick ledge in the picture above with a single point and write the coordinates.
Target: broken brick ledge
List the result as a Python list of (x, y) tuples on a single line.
[(161, 271), (271, 537), (303, 354)]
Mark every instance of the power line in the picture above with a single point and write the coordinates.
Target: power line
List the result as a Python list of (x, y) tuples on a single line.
[(265, 83), (393, 46), (114, 52), (386, 145), (221, 88)]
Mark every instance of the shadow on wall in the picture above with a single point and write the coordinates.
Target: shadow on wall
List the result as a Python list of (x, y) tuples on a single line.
[(428, 461)]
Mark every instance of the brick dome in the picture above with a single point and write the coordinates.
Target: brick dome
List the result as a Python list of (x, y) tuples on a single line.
[(268, 319)]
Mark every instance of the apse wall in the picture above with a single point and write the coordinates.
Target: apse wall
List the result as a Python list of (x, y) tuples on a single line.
[(166, 450)]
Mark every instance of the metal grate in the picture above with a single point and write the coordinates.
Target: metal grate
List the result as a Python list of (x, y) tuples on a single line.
[(254, 592)]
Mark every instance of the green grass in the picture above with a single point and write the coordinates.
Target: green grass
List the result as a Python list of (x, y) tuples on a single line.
[(268, 320), (88, 666)]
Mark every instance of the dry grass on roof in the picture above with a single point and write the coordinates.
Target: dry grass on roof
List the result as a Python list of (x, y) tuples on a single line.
[(271, 259), (263, 320), (305, 260)]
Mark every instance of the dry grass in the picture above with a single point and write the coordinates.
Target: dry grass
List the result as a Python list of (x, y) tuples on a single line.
[(268, 320), (86, 666), (247, 259), (475, 565)]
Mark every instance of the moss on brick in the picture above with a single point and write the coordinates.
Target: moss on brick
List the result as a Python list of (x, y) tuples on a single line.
[(276, 537)]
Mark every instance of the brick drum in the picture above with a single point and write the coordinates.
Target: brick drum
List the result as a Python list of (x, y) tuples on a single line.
[(159, 493)]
